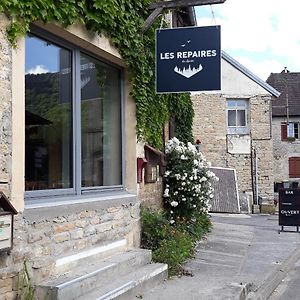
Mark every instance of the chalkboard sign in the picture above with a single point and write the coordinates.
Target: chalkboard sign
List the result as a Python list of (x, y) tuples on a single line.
[(289, 207)]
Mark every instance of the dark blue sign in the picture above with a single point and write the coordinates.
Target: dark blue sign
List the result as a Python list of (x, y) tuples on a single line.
[(188, 59), (289, 207)]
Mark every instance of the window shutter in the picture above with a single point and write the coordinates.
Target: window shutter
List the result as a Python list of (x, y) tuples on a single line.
[(283, 131), (294, 167)]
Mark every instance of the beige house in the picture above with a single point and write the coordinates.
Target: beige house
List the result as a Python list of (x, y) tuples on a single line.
[(234, 127)]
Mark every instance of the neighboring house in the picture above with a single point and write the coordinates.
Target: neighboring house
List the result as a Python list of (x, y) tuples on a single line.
[(286, 126), (234, 127)]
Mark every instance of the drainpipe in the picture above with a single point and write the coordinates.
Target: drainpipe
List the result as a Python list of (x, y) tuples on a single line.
[(255, 174)]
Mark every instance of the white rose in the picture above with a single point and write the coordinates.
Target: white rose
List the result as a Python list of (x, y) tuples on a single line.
[(174, 203)]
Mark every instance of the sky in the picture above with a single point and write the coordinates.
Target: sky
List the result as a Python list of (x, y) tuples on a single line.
[(263, 35)]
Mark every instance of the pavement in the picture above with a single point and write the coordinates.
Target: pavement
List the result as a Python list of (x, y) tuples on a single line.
[(244, 257), (289, 288)]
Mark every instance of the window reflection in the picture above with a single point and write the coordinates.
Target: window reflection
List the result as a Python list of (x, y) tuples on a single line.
[(48, 116), (100, 123)]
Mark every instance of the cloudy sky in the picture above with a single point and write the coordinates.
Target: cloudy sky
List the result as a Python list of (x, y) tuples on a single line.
[(263, 35)]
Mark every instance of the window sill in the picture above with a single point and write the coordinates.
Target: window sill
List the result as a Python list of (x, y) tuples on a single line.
[(46, 209), (296, 142)]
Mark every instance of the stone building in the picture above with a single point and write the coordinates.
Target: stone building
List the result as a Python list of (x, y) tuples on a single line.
[(286, 122), (234, 127), (68, 164), (63, 168)]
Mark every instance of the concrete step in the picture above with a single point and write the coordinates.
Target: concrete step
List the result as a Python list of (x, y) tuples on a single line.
[(130, 286), (96, 273), (71, 262)]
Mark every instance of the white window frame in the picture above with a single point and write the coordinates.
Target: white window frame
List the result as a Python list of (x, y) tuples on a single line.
[(291, 130), (244, 107)]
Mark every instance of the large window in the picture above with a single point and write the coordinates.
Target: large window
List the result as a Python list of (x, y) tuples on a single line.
[(237, 115), (73, 119)]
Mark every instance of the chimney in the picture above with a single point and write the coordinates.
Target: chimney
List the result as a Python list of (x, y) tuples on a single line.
[(285, 70)]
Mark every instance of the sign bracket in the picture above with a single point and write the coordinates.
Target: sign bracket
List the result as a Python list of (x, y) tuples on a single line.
[(158, 8)]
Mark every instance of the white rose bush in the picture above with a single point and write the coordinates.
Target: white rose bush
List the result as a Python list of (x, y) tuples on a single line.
[(188, 182), (173, 233)]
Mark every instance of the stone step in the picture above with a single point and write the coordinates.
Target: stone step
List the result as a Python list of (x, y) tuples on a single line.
[(96, 273), (130, 286), (71, 262)]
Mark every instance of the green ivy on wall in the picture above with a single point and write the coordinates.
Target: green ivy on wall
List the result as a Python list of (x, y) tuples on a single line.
[(121, 20)]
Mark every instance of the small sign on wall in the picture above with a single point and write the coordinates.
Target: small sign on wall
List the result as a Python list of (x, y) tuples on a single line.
[(188, 59), (7, 211)]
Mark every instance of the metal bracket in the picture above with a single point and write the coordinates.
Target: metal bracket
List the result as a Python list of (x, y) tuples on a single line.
[(158, 8)]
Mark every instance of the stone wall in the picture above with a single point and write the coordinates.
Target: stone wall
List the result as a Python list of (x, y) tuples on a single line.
[(262, 142), (150, 195), (283, 150), (43, 235), (5, 109), (210, 126)]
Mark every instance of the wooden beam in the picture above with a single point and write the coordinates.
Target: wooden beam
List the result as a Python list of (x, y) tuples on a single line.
[(149, 21), (183, 3)]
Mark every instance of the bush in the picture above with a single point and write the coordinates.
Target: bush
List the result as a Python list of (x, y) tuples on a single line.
[(155, 228), (171, 244), (188, 182), (174, 251), (172, 234)]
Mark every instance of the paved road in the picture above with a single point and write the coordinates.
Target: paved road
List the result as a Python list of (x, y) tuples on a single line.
[(241, 250), (289, 289)]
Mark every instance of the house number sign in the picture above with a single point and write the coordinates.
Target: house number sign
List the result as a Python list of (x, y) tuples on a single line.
[(5, 231)]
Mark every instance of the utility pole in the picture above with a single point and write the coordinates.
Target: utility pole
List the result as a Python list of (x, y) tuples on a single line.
[(158, 8)]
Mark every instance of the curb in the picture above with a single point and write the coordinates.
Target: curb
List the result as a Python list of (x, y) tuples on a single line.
[(244, 289), (275, 278)]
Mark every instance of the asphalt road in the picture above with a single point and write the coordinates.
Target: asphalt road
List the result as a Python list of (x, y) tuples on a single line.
[(289, 289), (242, 251)]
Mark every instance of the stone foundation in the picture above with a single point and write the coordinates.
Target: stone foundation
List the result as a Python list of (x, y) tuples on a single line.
[(150, 195), (43, 235)]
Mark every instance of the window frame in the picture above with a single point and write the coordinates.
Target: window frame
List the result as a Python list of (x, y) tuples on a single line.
[(77, 190), (243, 129), (293, 130)]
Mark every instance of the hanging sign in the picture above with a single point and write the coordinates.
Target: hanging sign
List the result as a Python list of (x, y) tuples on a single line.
[(188, 59)]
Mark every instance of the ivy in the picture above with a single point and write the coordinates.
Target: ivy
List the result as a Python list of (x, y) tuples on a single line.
[(121, 20)]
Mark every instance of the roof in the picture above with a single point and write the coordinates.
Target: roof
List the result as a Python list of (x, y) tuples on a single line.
[(288, 83), (250, 75), (5, 205)]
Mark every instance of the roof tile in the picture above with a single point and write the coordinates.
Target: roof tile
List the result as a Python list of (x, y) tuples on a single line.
[(288, 83)]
